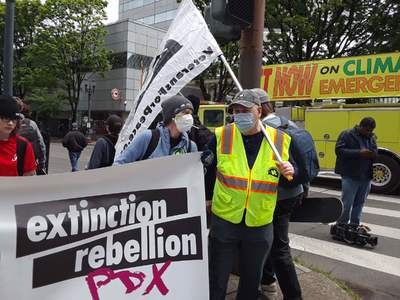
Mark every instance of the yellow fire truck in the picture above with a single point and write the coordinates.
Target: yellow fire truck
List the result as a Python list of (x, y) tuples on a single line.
[(372, 77), (326, 122)]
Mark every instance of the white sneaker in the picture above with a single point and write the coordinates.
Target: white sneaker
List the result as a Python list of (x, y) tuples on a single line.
[(270, 291)]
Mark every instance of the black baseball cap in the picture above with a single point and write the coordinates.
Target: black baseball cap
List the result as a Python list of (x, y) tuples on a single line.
[(9, 107)]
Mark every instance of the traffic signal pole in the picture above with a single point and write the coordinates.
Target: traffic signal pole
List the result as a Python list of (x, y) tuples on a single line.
[(8, 48), (251, 49)]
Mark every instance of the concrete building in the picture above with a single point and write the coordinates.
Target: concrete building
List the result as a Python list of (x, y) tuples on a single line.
[(157, 13), (133, 47), (134, 41)]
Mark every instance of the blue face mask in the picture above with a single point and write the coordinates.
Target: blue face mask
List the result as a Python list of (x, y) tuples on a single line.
[(244, 121)]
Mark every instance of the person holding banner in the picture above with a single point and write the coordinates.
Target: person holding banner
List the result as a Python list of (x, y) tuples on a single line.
[(244, 198), (167, 139), (16, 153)]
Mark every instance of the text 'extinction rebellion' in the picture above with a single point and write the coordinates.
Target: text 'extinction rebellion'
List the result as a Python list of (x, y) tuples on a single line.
[(118, 231)]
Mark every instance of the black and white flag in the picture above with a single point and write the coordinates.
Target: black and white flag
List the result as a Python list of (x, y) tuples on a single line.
[(187, 49)]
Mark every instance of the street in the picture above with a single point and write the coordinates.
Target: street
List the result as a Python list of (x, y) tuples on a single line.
[(372, 273), (59, 161)]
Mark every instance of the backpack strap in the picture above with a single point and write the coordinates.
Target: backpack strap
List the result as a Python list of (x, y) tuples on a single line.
[(108, 140), (21, 148), (190, 146), (111, 152), (284, 122), (155, 136)]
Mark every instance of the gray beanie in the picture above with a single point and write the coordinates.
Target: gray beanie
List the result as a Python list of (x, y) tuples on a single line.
[(174, 105)]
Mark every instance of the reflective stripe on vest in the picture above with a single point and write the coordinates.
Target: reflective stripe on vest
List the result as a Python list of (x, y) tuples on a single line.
[(232, 181), (227, 138), (257, 186), (265, 187), (239, 190)]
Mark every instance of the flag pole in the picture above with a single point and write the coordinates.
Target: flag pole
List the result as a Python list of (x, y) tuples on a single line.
[(267, 137), (228, 67)]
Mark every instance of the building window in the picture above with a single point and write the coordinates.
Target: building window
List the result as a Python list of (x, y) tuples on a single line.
[(213, 118), (118, 60), (132, 4), (139, 62), (135, 61), (158, 18), (166, 16), (148, 20), (146, 2)]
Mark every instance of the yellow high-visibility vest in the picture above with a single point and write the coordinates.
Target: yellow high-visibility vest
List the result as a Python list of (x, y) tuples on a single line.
[(239, 188)]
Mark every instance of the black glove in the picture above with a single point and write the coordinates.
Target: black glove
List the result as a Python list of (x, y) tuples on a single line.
[(207, 158)]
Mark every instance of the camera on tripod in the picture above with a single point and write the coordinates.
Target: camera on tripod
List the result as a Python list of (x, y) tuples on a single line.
[(353, 234)]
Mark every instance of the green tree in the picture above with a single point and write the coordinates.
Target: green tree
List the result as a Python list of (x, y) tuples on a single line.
[(28, 19), (71, 43), (301, 30), (46, 105)]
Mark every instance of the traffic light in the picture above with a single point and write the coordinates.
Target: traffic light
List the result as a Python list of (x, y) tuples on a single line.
[(221, 32), (233, 12)]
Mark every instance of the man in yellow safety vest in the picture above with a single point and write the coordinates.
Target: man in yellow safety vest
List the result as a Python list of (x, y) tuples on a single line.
[(246, 175)]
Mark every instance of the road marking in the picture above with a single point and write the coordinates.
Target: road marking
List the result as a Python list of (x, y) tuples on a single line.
[(385, 231), (370, 196), (347, 254), (381, 212)]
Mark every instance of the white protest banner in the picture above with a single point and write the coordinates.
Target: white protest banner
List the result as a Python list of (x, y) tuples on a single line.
[(187, 49), (132, 232)]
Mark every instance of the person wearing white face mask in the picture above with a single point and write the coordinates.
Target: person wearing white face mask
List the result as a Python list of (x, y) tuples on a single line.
[(170, 138)]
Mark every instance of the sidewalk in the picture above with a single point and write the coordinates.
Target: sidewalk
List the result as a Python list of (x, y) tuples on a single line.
[(315, 286)]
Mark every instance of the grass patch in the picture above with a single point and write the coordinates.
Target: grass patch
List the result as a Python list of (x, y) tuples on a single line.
[(341, 283)]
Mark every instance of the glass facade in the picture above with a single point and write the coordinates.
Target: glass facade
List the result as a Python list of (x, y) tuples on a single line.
[(131, 4), (149, 12), (158, 18)]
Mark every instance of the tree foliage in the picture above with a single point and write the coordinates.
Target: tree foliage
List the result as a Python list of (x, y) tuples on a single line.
[(28, 18), (46, 105), (55, 45), (71, 38), (310, 29)]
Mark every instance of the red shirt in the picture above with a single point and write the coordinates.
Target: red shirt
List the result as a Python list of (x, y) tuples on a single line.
[(8, 157)]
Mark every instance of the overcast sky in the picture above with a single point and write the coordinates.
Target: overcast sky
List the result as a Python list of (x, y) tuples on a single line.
[(112, 11)]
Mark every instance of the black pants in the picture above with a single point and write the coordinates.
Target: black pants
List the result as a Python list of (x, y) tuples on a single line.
[(229, 241), (280, 260)]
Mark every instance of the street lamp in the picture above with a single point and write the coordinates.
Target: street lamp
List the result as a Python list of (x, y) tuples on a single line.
[(89, 89)]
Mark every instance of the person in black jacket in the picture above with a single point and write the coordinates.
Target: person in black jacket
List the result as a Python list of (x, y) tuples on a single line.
[(355, 150), (104, 150), (75, 142), (199, 134)]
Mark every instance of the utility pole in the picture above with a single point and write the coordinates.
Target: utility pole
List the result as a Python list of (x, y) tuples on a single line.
[(8, 48), (251, 49)]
